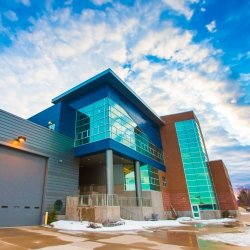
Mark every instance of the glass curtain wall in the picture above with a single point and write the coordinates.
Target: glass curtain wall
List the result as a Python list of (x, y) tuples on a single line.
[(106, 119), (195, 162), (149, 178)]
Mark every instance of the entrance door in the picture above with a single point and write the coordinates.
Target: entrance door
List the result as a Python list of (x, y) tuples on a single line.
[(21, 187), (196, 211)]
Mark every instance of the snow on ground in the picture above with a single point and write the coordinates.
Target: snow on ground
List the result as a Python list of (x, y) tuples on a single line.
[(131, 225), (245, 213), (188, 220), (236, 238)]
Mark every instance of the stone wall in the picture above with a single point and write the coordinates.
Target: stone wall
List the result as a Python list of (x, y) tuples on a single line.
[(99, 214)]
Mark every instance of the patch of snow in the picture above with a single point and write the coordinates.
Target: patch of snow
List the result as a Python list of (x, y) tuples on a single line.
[(245, 213), (131, 225), (237, 238), (189, 220), (217, 221), (185, 219)]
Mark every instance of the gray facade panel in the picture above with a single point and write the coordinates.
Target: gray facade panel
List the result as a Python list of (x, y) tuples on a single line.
[(62, 175), (22, 177)]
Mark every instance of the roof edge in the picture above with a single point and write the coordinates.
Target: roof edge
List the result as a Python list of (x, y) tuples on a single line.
[(102, 74), (58, 98)]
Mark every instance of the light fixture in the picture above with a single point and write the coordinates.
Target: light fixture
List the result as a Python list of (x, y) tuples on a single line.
[(21, 139)]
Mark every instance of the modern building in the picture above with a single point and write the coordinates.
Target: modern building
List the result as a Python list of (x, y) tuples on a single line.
[(101, 138), (222, 184), (190, 183)]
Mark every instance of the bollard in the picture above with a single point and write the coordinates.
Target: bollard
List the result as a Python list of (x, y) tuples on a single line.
[(46, 218)]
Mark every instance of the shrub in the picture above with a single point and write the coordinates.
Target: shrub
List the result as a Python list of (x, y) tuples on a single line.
[(244, 197), (225, 214), (52, 216)]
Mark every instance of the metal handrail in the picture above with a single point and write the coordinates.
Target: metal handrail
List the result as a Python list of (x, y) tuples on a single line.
[(112, 200)]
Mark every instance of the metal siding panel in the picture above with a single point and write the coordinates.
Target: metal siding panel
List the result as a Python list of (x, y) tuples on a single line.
[(21, 187), (63, 168)]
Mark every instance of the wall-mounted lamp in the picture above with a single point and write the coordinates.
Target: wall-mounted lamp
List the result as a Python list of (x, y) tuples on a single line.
[(21, 139)]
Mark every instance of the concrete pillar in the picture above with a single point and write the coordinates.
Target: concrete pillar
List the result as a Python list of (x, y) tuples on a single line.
[(138, 189), (109, 171)]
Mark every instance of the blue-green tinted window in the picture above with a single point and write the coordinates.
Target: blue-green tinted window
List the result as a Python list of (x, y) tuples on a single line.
[(106, 119), (149, 178), (195, 160)]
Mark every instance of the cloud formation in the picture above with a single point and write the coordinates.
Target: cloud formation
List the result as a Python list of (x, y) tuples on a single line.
[(24, 2), (159, 60), (211, 27), (182, 7), (11, 15)]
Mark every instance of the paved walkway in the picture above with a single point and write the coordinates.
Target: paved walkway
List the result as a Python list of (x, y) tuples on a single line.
[(24, 238)]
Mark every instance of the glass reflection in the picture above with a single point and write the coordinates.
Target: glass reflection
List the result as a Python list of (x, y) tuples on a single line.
[(195, 160), (106, 119)]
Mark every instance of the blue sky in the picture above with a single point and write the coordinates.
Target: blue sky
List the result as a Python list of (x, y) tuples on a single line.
[(177, 55)]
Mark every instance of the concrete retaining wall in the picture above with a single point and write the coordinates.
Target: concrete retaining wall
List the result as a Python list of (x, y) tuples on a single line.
[(99, 214)]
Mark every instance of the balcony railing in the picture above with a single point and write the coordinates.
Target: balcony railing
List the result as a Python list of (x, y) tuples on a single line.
[(112, 200)]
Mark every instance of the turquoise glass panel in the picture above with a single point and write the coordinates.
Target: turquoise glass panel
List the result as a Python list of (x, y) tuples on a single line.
[(194, 160), (149, 178), (106, 119)]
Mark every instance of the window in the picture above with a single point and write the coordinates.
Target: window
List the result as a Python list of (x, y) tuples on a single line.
[(106, 119), (51, 125), (149, 178), (194, 161), (164, 181)]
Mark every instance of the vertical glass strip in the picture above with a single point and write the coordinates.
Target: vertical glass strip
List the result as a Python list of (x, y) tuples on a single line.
[(195, 160)]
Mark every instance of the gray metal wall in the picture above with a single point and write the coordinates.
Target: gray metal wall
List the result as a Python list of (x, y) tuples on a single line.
[(62, 171), (22, 177)]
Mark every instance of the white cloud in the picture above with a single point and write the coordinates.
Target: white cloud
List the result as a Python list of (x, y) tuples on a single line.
[(24, 2), (245, 77), (62, 50), (101, 2), (181, 6), (11, 15), (203, 9), (211, 27), (68, 2)]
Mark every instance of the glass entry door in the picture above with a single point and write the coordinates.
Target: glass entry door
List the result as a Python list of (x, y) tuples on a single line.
[(196, 211)]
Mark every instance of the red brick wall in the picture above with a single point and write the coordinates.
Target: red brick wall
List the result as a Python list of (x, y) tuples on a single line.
[(176, 182), (165, 194), (223, 187)]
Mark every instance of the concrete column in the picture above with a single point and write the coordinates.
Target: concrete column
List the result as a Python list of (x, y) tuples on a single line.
[(109, 171), (138, 189)]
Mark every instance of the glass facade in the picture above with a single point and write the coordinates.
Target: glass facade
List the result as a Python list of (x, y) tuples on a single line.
[(106, 119), (195, 162), (149, 178)]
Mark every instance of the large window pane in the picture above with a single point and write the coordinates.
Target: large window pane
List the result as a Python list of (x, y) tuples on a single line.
[(194, 160), (106, 119)]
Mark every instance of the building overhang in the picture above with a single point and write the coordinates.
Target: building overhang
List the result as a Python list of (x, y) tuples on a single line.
[(110, 78)]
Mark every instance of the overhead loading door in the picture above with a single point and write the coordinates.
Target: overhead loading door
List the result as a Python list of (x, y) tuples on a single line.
[(22, 178)]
